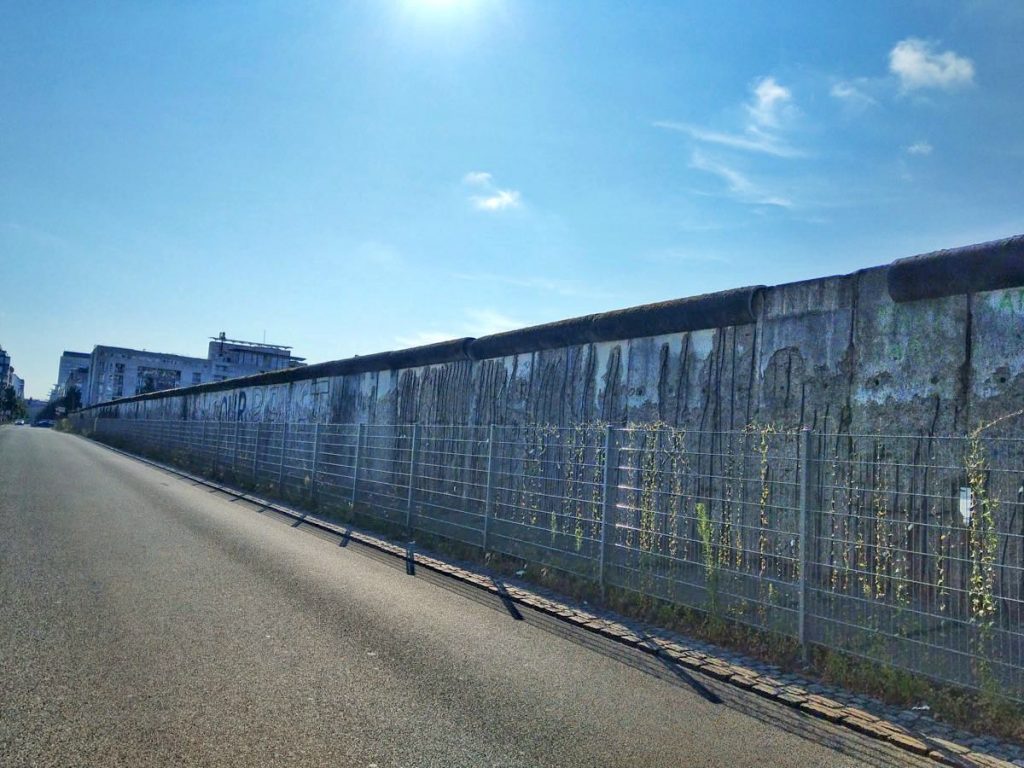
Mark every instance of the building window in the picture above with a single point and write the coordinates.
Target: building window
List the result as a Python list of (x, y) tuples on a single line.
[(118, 380), (156, 379), (197, 378)]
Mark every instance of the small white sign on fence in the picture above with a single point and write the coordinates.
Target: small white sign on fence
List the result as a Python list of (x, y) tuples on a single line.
[(966, 503)]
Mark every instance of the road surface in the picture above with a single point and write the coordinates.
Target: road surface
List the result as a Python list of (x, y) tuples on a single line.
[(145, 620)]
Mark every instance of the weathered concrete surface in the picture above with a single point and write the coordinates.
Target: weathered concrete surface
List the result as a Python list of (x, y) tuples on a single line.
[(837, 353)]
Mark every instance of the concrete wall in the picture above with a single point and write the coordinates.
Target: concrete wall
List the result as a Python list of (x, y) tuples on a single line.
[(927, 346), (839, 354)]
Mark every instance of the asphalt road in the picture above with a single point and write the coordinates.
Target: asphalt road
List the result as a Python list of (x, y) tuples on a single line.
[(145, 620)]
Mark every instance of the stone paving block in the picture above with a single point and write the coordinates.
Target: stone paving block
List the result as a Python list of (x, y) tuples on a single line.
[(860, 714), (717, 670), (829, 713), (909, 742), (790, 698), (744, 681), (949, 746)]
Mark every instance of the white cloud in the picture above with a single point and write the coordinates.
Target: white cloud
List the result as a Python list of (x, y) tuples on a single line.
[(918, 65), (853, 94), (770, 99), (477, 179), (487, 321), (920, 148), (753, 141), (561, 287), (769, 111), (742, 187), (499, 201), (478, 322), (493, 198), (422, 338)]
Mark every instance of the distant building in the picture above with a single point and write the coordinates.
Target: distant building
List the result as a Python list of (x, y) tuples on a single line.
[(73, 372), (231, 357), (19, 385), (115, 372), (6, 370), (7, 379), (34, 407)]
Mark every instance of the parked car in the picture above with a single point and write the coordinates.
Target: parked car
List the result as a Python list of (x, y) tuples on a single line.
[(43, 423), (20, 422)]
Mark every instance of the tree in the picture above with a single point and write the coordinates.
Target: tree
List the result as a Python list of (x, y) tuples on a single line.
[(71, 401), (11, 406)]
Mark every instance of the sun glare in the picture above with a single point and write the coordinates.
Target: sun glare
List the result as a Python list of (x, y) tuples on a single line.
[(439, 5)]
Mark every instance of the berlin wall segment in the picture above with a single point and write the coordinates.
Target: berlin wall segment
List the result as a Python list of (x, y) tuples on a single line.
[(838, 354), (925, 347)]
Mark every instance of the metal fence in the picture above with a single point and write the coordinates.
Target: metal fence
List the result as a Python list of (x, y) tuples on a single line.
[(902, 550)]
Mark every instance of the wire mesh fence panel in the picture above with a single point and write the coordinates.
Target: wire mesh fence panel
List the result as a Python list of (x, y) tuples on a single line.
[(296, 470), (904, 550), (918, 555), (709, 520), (385, 462), (451, 482), (546, 491), (336, 463)]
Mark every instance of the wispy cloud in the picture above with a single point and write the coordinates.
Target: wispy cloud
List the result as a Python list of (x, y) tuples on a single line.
[(477, 178), (38, 236), (739, 185), (422, 338), (854, 94), (920, 148), (670, 256), (477, 322), (769, 110), (752, 141), (561, 287), (378, 254), (489, 197), (485, 321), (918, 65)]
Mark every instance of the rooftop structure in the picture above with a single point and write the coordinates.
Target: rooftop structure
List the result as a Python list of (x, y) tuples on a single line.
[(114, 372)]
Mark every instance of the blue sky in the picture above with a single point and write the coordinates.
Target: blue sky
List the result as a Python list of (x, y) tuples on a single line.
[(350, 177)]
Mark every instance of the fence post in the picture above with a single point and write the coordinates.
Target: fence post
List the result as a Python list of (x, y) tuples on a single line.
[(234, 452), (316, 453), (256, 453), (280, 468), (413, 455), (220, 444), (489, 493), (360, 440), (609, 489), (806, 443), (203, 447)]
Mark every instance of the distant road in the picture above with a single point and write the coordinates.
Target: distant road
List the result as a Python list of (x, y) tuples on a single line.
[(145, 621)]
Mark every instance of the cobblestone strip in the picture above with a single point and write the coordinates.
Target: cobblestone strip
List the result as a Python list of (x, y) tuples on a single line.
[(779, 688)]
